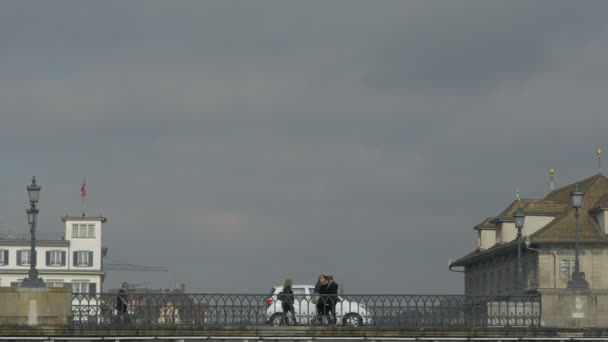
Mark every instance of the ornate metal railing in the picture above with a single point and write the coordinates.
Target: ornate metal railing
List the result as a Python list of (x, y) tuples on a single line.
[(202, 310)]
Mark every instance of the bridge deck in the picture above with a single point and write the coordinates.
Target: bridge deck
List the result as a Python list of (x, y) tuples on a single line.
[(304, 333)]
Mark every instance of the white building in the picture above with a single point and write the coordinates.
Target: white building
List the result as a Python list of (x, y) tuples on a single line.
[(73, 261)]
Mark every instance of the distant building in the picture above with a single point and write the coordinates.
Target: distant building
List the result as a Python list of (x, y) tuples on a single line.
[(550, 228), (72, 261)]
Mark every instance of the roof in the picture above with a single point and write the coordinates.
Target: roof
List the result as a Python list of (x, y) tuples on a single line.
[(39, 243), (601, 203), (83, 218), (563, 228), (488, 223), (533, 207)]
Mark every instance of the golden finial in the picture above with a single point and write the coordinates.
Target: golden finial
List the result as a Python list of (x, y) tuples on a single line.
[(551, 172), (599, 151)]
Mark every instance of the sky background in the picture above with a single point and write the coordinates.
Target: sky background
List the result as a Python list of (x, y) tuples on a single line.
[(241, 142)]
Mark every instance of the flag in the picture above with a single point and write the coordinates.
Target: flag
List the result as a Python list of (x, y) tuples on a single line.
[(83, 189)]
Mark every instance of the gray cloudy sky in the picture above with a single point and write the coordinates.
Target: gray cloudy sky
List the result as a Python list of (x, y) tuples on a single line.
[(240, 142)]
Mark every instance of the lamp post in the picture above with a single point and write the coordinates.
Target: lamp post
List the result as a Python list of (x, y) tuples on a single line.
[(578, 280), (33, 280), (519, 218)]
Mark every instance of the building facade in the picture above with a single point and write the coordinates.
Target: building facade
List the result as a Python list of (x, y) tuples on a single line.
[(75, 260), (548, 243)]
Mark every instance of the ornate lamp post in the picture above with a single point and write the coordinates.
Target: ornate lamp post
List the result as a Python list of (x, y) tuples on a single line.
[(578, 280), (519, 218), (33, 192)]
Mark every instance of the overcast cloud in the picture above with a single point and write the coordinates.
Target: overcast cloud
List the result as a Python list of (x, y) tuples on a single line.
[(241, 142)]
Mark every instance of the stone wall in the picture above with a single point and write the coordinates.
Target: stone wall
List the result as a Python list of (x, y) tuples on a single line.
[(565, 308), (35, 306)]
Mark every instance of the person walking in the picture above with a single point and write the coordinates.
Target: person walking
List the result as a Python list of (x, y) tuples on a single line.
[(122, 303), (287, 299), (332, 297), (323, 305)]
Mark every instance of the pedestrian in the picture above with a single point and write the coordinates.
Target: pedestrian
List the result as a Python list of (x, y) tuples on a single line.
[(323, 305), (287, 299), (122, 303), (318, 284), (332, 294)]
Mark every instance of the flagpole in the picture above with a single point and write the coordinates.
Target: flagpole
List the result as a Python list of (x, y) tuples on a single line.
[(83, 193)]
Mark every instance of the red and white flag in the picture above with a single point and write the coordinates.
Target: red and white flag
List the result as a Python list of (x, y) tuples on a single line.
[(83, 189)]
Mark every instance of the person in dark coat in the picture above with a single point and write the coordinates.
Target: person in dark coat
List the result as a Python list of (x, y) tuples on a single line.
[(122, 302), (318, 284), (332, 292), (323, 304), (287, 300)]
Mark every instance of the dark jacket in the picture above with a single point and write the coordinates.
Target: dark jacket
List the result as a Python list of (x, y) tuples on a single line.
[(332, 291), (324, 304), (286, 297), (121, 301)]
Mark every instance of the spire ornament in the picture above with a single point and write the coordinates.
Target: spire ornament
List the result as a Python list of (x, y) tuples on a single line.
[(552, 182), (599, 160)]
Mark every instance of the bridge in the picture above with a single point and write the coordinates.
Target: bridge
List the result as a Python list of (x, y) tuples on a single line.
[(259, 317)]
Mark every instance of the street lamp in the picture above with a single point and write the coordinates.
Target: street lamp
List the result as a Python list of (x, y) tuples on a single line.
[(519, 218), (33, 192), (578, 280)]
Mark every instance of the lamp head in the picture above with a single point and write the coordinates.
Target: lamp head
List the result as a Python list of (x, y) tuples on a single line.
[(33, 191), (576, 197), (519, 218)]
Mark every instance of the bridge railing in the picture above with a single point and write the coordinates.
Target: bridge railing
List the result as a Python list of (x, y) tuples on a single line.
[(202, 310)]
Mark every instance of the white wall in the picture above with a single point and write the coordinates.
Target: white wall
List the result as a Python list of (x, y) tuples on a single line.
[(601, 220), (486, 238), (84, 243), (531, 225), (509, 233), (534, 223)]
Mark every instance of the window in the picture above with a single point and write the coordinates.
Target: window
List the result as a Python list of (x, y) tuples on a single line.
[(54, 283), (567, 268), (80, 286), (84, 286), (3, 257), (83, 230), (83, 258), (23, 257), (55, 258)]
